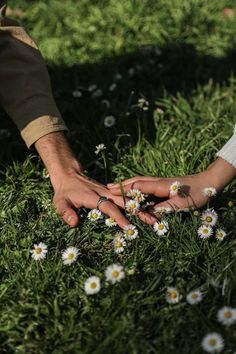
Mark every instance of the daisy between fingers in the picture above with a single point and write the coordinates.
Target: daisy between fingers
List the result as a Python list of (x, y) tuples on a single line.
[(94, 215), (92, 285), (114, 273), (213, 343), (110, 222), (39, 251), (132, 206)]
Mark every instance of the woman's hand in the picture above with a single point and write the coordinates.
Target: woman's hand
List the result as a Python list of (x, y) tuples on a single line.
[(190, 194)]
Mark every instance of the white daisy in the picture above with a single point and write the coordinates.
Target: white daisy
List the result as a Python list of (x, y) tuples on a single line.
[(172, 295), (76, 94), (109, 121), (161, 227), (132, 206), (114, 273), (130, 232), (110, 222), (209, 192), (163, 210), (70, 255), (136, 195), (92, 285), (119, 243), (174, 188), (94, 215), (99, 148), (39, 251), (209, 217), (205, 231), (112, 87), (131, 72), (97, 93), (220, 234), (227, 315), (213, 343), (106, 103), (92, 88), (194, 297), (118, 77)]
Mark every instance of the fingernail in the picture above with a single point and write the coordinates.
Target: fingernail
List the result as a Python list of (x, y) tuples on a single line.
[(70, 218), (110, 184)]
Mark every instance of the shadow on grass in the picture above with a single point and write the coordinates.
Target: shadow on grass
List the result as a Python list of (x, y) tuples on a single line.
[(150, 73)]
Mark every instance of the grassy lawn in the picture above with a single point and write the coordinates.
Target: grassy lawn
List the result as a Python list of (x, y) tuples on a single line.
[(180, 57)]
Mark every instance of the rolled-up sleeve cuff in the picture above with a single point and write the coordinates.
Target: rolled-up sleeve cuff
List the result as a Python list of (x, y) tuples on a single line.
[(228, 151), (41, 126)]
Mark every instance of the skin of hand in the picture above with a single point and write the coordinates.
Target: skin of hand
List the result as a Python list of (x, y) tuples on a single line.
[(74, 190), (217, 175)]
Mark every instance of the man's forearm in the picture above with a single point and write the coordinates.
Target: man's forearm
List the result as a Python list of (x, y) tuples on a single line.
[(57, 156)]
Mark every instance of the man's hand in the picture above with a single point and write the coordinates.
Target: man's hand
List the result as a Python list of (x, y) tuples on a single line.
[(73, 190), (190, 195)]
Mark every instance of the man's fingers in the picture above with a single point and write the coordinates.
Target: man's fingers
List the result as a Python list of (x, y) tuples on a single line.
[(110, 209), (68, 214)]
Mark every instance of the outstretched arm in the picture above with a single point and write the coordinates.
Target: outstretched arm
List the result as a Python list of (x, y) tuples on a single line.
[(190, 195)]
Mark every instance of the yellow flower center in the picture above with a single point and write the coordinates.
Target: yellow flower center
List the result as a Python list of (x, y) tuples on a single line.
[(174, 188), (93, 285), (209, 193), (132, 205), (38, 250), (111, 220), (230, 204), (130, 232), (212, 342), (194, 296), (209, 219), (115, 274), (70, 256), (205, 231), (228, 314), (94, 215), (173, 294), (118, 244), (160, 226)]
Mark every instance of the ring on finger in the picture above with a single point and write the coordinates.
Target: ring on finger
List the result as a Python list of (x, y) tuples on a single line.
[(102, 199)]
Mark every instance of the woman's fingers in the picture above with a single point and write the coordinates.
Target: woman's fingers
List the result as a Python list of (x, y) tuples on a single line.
[(146, 218), (131, 180), (109, 208), (159, 188)]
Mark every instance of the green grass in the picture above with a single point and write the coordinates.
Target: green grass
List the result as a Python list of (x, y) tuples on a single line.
[(191, 87)]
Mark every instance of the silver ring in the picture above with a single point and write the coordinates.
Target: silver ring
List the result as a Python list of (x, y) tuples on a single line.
[(101, 199)]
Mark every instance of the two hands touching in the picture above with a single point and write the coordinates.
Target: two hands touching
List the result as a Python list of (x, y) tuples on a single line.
[(73, 190)]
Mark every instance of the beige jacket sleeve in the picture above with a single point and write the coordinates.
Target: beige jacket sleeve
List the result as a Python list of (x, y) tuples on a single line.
[(25, 90)]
